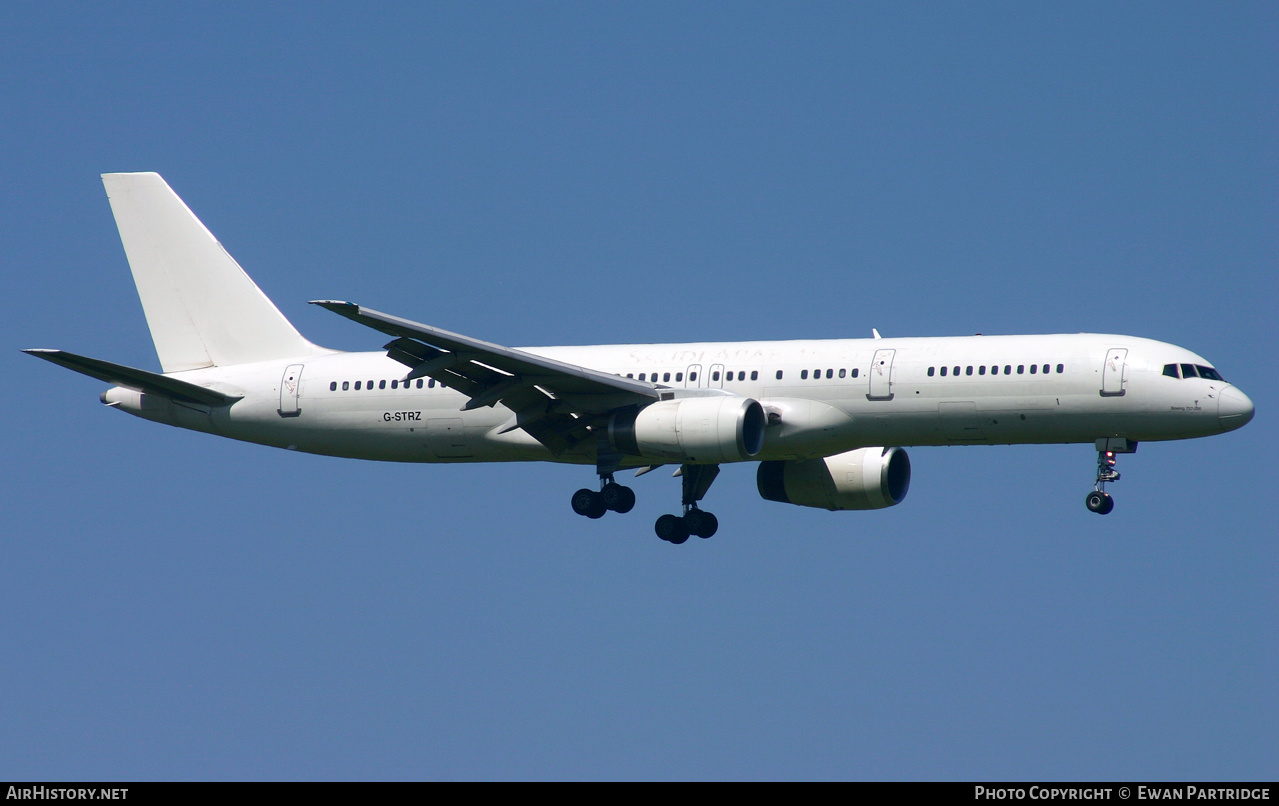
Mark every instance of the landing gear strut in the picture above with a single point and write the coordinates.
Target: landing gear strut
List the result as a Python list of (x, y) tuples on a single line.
[(1099, 500), (676, 529)]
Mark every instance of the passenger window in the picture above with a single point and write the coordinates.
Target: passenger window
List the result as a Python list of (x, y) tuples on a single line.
[(1021, 369), (346, 385), (357, 386), (715, 376), (1188, 371), (741, 376), (381, 384), (1046, 368), (981, 370), (692, 376), (956, 371), (755, 374), (642, 376), (369, 386), (630, 375), (930, 372), (830, 373), (943, 372), (842, 371), (994, 370), (666, 376), (1171, 371), (1008, 369), (803, 375), (1061, 368), (779, 374), (679, 376), (968, 371), (1033, 368), (333, 387)]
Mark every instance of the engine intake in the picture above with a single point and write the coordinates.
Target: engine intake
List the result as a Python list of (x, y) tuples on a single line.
[(701, 430), (867, 478)]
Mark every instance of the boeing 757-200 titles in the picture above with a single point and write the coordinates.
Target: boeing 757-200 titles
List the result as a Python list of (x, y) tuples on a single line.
[(826, 421)]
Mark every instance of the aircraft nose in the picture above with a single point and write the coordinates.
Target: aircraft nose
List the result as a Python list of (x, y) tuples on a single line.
[(1234, 409)]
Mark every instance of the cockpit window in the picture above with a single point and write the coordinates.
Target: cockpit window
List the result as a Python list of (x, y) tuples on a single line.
[(1171, 370), (1209, 373), (1188, 371)]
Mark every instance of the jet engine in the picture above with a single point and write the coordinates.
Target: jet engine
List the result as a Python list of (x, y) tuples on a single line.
[(697, 430), (867, 478)]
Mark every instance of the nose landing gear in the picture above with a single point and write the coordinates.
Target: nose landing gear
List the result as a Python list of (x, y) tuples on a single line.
[(1099, 500)]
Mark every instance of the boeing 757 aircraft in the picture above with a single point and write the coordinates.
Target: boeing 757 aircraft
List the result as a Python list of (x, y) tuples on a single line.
[(825, 420)]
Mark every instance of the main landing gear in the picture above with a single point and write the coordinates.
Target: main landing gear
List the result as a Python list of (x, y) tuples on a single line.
[(696, 480), (1099, 500), (612, 496)]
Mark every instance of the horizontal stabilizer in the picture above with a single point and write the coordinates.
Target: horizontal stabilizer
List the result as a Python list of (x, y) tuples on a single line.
[(137, 379)]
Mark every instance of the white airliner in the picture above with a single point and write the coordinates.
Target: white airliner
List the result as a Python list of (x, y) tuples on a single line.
[(815, 415)]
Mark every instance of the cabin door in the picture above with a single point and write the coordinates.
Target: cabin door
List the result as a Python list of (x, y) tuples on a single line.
[(290, 391), (1112, 374), (881, 375)]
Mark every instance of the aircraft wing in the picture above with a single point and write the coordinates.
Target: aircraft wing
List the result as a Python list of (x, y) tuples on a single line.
[(553, 401)]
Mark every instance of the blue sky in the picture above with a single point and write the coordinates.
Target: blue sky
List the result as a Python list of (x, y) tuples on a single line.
[(177, 606)]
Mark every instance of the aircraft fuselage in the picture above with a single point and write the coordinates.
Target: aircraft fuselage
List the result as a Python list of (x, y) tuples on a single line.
[(824, 397)]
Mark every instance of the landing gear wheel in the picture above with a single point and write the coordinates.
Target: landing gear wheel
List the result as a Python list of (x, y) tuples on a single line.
[(701, 523), (1099, 502), (618, 498), (671, 528), (588, 503)]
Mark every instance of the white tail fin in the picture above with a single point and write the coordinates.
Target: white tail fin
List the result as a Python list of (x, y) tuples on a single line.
[(203, 310)]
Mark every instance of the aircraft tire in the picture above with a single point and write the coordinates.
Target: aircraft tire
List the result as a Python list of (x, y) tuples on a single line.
[(618, 498), (588, 503), (1099, 502), (671, 528), (701, 523)]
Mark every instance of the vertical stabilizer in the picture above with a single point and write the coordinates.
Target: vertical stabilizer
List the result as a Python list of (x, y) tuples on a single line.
[(203, 310)]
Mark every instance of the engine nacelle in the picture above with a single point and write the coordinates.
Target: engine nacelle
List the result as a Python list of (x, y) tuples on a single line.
[(867, 478), (700, 430)]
